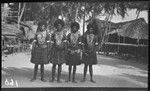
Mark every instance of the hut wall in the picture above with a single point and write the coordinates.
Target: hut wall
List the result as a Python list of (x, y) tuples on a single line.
[(143, 41), (113, 38), (130, 40)]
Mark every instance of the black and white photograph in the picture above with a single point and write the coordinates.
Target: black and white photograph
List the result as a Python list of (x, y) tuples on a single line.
[(74, 44)]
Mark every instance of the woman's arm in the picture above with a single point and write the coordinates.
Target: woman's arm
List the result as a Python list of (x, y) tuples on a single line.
[(34, 40), (52, 40), (47, 37)]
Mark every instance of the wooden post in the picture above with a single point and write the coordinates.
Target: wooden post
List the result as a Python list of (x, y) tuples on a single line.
[(118, 45), (137, 50), (123, 39)]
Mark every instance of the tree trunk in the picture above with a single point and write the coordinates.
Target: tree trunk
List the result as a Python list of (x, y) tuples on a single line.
[(109, 28), (103, 37), (18, 16), (77, 9), (22, 11), (84, 19), (138, 13)]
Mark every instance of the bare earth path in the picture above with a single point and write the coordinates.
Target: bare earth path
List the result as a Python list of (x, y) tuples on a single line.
[(109, 72)]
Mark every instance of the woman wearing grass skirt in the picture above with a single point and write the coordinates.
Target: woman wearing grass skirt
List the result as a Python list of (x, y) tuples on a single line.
[(90, 41), (74, 50), (39, 53), (58, 39)]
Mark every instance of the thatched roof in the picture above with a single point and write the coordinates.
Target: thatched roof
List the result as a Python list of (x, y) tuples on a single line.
[(137, 29), (9, 29), (102, 25)]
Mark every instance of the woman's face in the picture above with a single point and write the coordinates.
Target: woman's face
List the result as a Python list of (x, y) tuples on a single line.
[(43, 27), (91, 29), (59, 27), (74, 29)]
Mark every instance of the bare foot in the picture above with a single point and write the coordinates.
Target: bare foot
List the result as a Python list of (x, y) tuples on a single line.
[(68, 80), (74, 81), (83, 80), (43, 80), (33, 79), (51, 80), (93, 81), (59, 81)]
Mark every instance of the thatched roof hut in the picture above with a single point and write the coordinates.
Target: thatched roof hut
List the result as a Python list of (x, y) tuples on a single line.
[(136, 29), (102, 25), (8, 29)]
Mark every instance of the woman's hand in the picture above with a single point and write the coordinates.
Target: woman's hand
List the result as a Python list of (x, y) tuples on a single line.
[(47, 41), (52, 42)]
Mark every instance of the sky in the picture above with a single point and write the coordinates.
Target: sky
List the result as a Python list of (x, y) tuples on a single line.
[(131, 16)]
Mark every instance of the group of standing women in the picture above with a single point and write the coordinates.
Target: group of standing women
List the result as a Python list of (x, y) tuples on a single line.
[(58, 49)]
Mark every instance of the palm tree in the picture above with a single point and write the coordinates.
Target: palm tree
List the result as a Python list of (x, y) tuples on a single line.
[(72, 11)]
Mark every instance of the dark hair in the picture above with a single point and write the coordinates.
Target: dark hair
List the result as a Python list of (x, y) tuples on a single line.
[(40, 24), (94, 26), (90, 25), (75, 24), (59, 21)]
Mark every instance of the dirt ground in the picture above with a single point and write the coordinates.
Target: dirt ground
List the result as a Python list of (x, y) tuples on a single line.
[(17, 70)]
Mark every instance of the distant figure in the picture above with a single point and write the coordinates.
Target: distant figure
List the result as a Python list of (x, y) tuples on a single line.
[(39, 54), (74, 50), (90, 41)]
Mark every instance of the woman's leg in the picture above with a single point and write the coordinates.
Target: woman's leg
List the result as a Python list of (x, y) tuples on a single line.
[(85, 71), (35, 72), (59, 73), (53, 72), (42, 73), (91, 73), (69, 73), (74, 72)]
